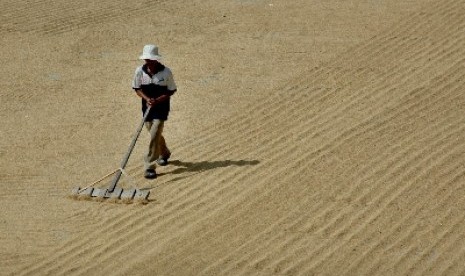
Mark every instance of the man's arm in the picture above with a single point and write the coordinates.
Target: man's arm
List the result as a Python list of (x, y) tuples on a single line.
[(142, 95), (154, 101)]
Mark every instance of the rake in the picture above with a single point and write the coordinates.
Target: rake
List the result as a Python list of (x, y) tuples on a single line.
[(113, 192)]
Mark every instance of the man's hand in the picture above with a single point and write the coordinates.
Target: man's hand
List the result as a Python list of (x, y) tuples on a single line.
[(152, 102)]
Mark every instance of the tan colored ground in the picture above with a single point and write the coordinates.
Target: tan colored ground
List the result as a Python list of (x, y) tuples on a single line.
[(308, 138)]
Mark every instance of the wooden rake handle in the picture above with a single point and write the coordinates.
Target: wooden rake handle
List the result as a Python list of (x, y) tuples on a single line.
[(128, 153)]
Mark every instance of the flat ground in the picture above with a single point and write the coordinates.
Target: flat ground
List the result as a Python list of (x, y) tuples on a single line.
[(308, 137)]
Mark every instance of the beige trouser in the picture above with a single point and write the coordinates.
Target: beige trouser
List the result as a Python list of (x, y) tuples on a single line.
[(157, 145)]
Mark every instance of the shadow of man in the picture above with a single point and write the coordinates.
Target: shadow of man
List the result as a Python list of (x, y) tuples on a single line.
[(197, 167), (208, 165), (192, 168)]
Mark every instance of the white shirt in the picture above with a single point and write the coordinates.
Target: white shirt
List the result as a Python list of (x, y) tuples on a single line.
[(161, 78)]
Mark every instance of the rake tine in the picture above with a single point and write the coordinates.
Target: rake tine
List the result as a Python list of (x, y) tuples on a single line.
[(141, 195), (128, 194), (100, 193), (82, 192), (116, 193), (75, 191)]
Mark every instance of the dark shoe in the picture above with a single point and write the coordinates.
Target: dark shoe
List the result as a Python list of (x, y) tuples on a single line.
[(163, 161), (150, 174)]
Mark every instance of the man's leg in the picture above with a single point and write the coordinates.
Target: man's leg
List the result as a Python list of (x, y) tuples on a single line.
[(164, 152), (155, 128)]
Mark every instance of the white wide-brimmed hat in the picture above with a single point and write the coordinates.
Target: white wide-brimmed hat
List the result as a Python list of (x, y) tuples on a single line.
[(150, 51)]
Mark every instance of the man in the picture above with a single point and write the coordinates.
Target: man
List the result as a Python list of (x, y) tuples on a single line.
[(154, 84)]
